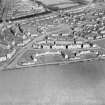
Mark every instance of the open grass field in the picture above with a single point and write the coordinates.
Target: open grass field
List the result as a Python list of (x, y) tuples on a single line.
[(71, 84)]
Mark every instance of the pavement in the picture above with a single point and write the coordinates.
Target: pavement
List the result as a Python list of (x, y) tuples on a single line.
[(14, 60)]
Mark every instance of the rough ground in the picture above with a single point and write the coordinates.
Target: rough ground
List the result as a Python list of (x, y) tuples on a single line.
[(73, 84)]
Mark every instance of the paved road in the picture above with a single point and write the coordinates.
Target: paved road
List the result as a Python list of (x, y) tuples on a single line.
[(15, 59)]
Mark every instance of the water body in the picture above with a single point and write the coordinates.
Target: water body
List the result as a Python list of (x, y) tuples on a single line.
[(77, 83)]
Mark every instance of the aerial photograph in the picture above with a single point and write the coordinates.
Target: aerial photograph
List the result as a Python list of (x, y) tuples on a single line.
[(52, 52)]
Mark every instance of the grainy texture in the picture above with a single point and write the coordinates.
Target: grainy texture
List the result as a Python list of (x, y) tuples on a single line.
[(78, 83)]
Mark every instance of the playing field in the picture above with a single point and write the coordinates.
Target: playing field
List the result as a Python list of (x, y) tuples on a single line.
[(72, 84)]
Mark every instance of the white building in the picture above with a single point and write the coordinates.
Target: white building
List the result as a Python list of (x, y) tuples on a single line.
[(9, 55), (8, 46), (55, 34), (84, 52), (28, 63), (66, 56), (26, 41), (103, 32), (78, 46), (34, 35), (58, 47), (41, 42), (103, 17), (90, 38), (77, 58), (103, 55), (46, 46), (24, 37), (20, 44), (50, 42), (79, 42), (65, 34), (36, 46), (3, 59), (86, 45), (13, 43), (28, 34), (47, 53), (99, 37), (104, 36), (95, 45)]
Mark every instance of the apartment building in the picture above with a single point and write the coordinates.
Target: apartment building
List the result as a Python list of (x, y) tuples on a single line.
[(58, 46), (70, 47)]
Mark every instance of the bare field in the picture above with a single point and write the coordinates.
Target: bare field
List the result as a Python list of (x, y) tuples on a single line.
[(71, 84)]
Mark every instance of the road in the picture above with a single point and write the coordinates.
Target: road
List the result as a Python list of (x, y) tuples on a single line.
[(13, 62), (22, 50), (80, 83)]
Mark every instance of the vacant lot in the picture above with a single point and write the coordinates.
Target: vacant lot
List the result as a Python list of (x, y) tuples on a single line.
[(72, 84)]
